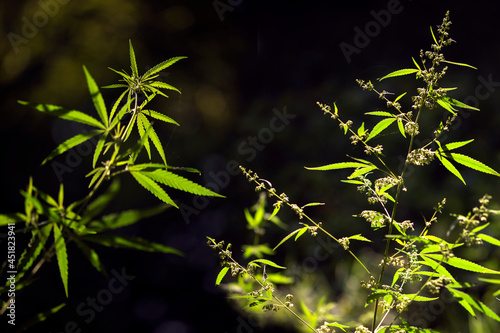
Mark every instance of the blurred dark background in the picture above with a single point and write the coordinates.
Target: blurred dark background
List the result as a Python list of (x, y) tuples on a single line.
[(247, 61)]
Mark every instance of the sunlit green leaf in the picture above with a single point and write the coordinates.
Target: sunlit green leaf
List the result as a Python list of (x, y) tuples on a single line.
[(96, 98), (159, 116), (221, 275), (341, 165), (266, 262), (382, 125), (152, 187), (462, 264), (70, 143), (66, 114), (161, 66), (180, 183), (473, 164), (489, 239), (447, 164), (62, 256), (133, 63), (400, 72)]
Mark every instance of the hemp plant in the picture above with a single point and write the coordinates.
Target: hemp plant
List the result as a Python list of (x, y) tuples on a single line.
[(53, 224), (418, 260)]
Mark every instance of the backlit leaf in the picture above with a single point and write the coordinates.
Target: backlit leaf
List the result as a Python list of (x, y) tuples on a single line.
[(382, 125), (221, 275), (70, 143), (266, 262), (152, 187), (400, 72), (66, 114), (62, 256), (96, 97), (341, 165)]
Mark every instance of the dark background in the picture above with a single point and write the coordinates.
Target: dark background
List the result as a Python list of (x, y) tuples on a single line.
[(241, 65)]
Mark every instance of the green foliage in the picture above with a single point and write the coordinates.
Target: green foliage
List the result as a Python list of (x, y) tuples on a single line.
[(83, 222), (419, 260)]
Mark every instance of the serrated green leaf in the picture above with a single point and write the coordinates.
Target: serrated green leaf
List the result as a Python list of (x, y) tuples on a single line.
[(277, 208), (62, 256), (152, 187), (114, 120), (489, 239), (96, 96), (98, 148), (380, 114), (464, 300), (341, 165), (463, 264), (141, 128), (66, 114), (163, 85), (286, 238), (266, 262), (159, 116), (221, 275), (70, 143), (356, 182), (154, 138), (401, 128), (118, 85), (459, 104), (448, 165), (360, 238), (473, 164), (301, 232), (131, 242), (458, 64), (161, 66), (361, 171), (400, 72), (446, 105), (455, 145), (381, 125), (180, 183), (313, 204), (133, 63), (399, 97)]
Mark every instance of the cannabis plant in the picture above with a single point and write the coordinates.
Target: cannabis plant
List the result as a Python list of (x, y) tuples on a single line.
[(53, 224), (418, 261)]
